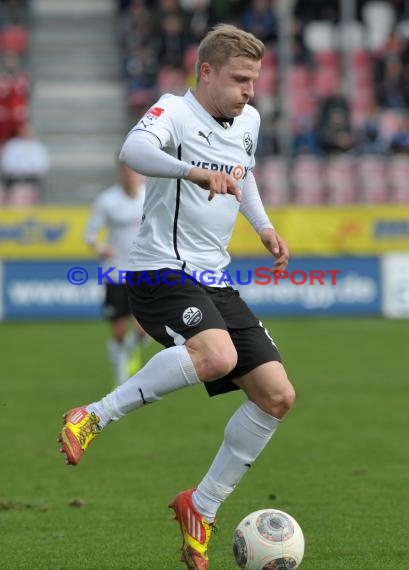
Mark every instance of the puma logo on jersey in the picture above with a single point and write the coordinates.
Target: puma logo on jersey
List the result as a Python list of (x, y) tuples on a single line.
[(201, 134)]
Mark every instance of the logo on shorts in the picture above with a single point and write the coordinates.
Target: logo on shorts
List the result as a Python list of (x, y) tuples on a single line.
[(192, 316)]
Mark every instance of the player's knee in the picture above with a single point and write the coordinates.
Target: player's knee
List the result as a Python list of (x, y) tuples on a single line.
[(279, 402), (218, 363), (287, 397)]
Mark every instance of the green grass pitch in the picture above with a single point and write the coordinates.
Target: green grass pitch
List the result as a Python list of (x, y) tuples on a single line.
[(338, 464)]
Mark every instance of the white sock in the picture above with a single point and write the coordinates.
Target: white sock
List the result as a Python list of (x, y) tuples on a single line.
[(131, 340), (167, 371), (118, 355), (246, 435)]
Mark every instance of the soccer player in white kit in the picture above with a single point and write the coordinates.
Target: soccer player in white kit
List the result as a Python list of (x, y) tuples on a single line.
[(197, 152), (118, 210)]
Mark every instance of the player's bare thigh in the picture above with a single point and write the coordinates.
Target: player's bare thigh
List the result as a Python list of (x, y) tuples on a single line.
[(269, 387), (213, 354)]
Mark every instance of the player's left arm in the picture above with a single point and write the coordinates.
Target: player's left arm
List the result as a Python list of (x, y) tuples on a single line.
[(274, 243), (253, 210)]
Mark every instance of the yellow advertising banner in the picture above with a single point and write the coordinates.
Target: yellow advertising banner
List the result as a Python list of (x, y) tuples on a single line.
[(46, 232), (354, 230)]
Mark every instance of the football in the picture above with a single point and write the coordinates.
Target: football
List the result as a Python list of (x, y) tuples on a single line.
[(268, 540)]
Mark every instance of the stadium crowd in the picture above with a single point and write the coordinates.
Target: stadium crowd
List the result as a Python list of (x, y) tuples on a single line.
[(348, 114)]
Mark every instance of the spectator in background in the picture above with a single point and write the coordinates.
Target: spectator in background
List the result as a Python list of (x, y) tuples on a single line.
[(198, 19), (137, 29), (171, 42), (118, 210), (300, 54), (308, 10), (167, 7), (14, 96), (400, 141), (334, 130), (305, 137), (260, 20), (142, 68), (226, 10), (370, 140), (391, 91), (24, 159)]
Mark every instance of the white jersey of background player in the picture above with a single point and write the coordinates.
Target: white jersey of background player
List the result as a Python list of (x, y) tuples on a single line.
[(120, 213), (118, 210), (181, 228)]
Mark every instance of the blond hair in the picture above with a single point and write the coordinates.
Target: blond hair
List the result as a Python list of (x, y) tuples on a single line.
[(225, 41)]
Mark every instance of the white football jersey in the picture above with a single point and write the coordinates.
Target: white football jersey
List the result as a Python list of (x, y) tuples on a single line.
[(181, 229), (121, 215)]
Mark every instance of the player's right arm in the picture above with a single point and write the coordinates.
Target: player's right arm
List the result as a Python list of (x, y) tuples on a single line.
[(96, 221), (143, 151), (216, 182)]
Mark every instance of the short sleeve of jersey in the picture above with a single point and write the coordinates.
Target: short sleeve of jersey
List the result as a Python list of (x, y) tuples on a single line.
[(165, 119)]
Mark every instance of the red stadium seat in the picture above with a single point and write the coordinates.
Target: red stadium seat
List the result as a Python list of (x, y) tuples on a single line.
[(398, 174), (23, 194), (272, 182), (302, 105), (339, 177), (372, 179), (361, 105), (327, 58), (301, 98), (299, 78), (189, 59), (267, 80), (171, 80), (307, 181), (325, 81)]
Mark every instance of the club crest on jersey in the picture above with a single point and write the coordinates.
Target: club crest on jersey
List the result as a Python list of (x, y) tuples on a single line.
[(248, 142), (192, 316)]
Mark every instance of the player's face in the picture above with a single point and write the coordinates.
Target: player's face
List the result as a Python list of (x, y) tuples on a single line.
[(231, 86)]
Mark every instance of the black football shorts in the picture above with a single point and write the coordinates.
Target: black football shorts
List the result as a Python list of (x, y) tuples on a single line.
[(116, 304), (172, 308)]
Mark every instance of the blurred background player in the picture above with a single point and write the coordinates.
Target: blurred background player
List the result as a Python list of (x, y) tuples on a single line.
[(118, 209)]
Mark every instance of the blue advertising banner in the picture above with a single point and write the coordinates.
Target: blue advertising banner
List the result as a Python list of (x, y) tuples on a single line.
[(41, 289), (311, 286)]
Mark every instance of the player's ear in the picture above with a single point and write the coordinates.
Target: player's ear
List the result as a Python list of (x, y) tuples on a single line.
[(205, 71)]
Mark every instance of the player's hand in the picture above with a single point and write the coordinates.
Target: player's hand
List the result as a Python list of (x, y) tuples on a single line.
[(215, 182), (277, 246), (105, 251)]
